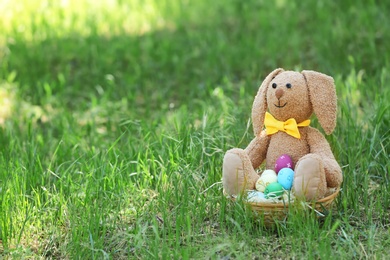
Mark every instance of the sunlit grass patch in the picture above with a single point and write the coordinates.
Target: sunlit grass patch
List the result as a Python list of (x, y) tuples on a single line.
[(37, 20), (7, 101), (12, 107)]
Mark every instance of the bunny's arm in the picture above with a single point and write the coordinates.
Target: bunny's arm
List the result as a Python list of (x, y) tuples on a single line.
[(257, 149), (320, 146)]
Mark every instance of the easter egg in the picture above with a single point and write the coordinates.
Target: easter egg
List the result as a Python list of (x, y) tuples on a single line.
[(255, 196), (273, 190), (283, 161), (267, 177), (286, 177)]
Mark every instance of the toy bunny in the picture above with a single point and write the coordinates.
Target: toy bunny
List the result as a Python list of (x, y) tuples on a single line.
[(291, 98)]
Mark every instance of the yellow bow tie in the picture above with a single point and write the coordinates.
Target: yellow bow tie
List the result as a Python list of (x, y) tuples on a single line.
[(290, 126)]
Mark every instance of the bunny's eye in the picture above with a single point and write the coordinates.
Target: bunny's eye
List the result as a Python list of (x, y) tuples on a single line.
[(274, 85), (288, 85)]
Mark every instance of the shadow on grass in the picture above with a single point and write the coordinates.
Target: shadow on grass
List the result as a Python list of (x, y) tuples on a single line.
[(182, 63)]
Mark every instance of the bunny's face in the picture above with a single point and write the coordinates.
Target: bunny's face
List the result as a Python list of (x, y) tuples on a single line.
[(290, 94), (288, 97)]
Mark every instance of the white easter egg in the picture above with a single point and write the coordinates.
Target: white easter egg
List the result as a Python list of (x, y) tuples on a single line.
[(267, 177)]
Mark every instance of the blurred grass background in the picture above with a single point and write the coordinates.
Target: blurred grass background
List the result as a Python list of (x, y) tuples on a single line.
[(116, 114)]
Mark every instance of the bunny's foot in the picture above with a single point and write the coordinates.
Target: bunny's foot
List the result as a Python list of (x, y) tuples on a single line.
[(310, 179), (238, 173)]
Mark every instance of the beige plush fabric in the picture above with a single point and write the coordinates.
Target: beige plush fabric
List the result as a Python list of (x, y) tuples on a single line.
[(290, 94)]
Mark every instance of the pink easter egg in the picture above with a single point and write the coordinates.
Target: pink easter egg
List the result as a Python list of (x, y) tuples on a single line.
[(283, 161)]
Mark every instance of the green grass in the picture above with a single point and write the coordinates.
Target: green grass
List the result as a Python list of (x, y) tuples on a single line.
[(115, 118)]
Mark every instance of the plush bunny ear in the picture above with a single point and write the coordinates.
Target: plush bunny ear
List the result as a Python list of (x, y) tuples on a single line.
[(322, 92), (260, 103)]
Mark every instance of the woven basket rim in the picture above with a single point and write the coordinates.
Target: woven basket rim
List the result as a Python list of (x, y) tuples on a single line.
[(284, 204)]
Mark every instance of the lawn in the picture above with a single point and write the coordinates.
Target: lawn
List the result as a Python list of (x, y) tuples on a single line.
[(115, 116)]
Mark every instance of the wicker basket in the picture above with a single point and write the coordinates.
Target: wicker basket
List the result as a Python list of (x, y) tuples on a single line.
[(278, 211)]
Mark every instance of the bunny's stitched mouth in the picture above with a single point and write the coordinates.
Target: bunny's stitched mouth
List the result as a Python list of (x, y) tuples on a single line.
[(279, 105)]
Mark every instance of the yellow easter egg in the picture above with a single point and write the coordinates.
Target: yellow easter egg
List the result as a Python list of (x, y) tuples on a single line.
[(267, 177)]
